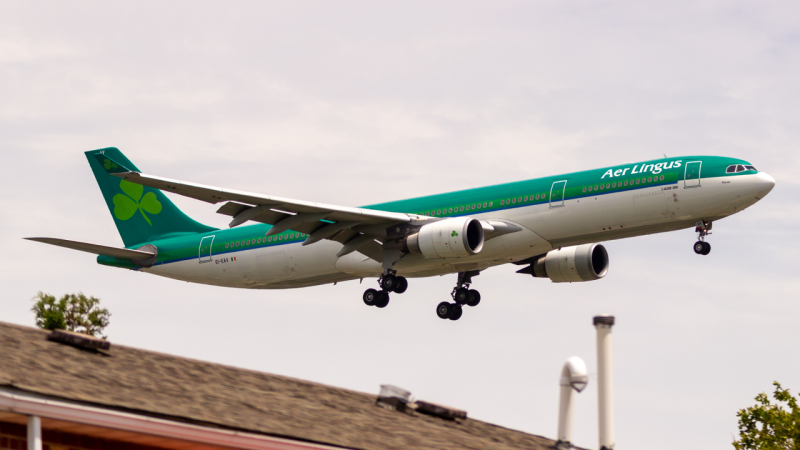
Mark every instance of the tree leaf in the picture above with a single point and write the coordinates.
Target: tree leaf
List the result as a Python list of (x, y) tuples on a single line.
[(150, 203), (132, 189), (124, 207)]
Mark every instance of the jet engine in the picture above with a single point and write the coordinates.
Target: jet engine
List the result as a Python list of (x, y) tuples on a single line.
[(586, 262), (449, 238)]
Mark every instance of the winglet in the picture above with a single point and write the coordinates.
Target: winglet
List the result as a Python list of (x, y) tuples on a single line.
[(111, 166)]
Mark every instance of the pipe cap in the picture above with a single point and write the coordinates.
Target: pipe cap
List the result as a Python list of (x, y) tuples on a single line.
[(603, 320)]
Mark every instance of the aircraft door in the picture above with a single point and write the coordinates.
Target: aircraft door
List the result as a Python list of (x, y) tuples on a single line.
[(205, 249), (692, 176), (557, 193)]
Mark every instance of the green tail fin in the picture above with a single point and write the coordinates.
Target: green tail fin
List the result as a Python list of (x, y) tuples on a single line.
[(141, 213)]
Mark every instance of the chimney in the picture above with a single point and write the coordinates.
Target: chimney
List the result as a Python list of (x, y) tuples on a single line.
[(605, 381), (574, 377)]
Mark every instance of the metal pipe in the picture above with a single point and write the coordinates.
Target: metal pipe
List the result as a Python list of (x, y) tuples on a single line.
[(605, 381), (574, 377), (34, 433)]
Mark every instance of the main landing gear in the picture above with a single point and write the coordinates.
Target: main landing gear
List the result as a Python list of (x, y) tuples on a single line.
[(462, 295), (703, 228), (389, 282)]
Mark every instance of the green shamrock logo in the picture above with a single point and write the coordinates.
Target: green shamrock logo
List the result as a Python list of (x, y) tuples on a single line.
[(108, 164), (125, 206), (454, 234)]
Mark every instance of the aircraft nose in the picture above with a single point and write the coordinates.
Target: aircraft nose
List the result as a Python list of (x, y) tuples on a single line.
[(765, 183)]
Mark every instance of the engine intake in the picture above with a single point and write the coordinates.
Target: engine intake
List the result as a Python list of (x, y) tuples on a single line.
[(449, 238), (586, 262)]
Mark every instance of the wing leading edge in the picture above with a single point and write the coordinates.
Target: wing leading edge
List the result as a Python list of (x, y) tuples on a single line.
[(319, 221)]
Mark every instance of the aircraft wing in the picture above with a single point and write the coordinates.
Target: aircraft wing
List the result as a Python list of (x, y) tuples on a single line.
[(318, 220), (114, 252)]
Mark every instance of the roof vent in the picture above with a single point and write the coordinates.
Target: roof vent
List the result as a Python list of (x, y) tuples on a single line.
[(445, 412), (398, 399), (393, 397), (79, 340)]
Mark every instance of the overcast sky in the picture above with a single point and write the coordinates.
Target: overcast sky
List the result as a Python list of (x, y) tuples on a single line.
[(354, 103)]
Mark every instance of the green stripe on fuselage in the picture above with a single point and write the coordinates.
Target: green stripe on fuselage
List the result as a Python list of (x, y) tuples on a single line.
[(471, 201)]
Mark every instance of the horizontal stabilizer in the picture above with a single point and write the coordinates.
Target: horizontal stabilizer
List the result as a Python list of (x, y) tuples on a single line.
[(114, 252)]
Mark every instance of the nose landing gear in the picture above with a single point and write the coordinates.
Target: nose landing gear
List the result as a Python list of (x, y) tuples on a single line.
[(389, 282), (703, 228), (462, 295)]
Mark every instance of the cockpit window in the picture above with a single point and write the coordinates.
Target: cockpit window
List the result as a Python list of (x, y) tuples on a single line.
[(735, 168)]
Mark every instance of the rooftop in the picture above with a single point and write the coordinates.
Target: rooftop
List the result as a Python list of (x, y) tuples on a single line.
[(202, 393)]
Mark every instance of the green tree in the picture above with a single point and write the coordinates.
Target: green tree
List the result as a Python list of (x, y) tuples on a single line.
[(73, 312), (768, 426)]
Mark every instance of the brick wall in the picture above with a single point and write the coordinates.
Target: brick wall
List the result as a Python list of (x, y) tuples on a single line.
[(14, 437)]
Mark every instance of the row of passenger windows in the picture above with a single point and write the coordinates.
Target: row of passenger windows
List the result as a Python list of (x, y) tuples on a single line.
[(601, 187), (473, 207), (542, 197), (738, 168), (265, 240)]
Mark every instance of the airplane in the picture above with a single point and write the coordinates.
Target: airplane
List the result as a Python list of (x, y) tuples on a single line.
[(551, 225)]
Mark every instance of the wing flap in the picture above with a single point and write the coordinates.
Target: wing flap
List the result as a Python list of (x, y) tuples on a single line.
[(114, 252)]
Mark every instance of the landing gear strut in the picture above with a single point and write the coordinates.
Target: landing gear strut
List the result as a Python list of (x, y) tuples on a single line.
[(462, 295), (389, 282), (703, 229)]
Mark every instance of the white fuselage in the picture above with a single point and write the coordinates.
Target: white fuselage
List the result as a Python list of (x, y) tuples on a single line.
[(597, 218)]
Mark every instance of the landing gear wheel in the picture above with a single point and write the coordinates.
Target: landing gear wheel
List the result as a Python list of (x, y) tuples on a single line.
[(455, 312), (443, 310), (370, 296), (382, 299), (699, 247), (402, 285), (706, 249), (462, 296), (476, 298), (389, 282)]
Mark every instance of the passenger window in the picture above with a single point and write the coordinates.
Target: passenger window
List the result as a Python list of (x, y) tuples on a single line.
[(661, 178), (626, 182), (602, 186), (502, 202), (584, 189), (649, 179), (595, 187), (226, 245), (513, 200), (526, 198)]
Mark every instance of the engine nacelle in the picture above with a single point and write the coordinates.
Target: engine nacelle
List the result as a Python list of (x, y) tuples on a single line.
[(586, 262), (449, 238)]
